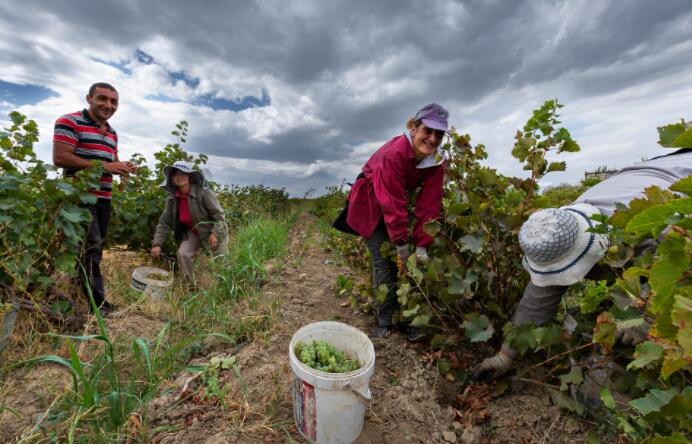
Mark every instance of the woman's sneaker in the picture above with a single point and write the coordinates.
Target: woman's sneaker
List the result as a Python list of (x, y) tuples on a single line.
[(414, 334), (381, 332)]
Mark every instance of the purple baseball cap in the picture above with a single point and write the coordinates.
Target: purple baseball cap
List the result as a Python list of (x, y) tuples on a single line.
[(433, 116)]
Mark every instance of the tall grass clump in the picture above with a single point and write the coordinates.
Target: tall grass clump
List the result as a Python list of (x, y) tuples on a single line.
[(237, 275), (102, 395)]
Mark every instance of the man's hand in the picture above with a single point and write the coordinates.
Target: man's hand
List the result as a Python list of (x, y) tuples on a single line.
[(156, 252), (123, 168), (213, 241)]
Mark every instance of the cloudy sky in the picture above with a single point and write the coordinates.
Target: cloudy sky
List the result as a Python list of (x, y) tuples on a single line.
[(298, 94)]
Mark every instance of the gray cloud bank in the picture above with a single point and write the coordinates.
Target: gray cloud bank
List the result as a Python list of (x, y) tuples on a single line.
[(342, 77)]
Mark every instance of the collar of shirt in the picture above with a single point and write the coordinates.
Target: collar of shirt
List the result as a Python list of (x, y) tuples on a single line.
[(87, 116)]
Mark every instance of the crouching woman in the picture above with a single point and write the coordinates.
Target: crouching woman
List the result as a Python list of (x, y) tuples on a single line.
[(194, 215)]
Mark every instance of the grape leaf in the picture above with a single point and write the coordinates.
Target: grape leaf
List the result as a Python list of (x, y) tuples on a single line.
[(646, 353), (421, 321), (672, 362), (564, 401), (653, 220), (548, 335), (684, 140), (607, 398), (668, 133), (444, 366), (676, 438), (653, 401), (478, 327), (557, 166), (573, 377), (411, 312), (593, 296), (681, 316), (472, 243), (667, 270), (683, 186), (604, 333)]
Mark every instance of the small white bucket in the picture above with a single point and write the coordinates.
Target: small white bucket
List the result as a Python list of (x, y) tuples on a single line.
[(330, 407), (155, 288)]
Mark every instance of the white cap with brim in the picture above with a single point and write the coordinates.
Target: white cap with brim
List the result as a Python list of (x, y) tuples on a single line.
[(557, 248), (185, 167)]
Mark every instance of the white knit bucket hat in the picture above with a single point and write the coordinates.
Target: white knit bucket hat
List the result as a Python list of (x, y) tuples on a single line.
[(185, 167), (557, 248)]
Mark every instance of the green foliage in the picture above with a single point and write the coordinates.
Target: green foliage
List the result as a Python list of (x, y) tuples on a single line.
[(97, 387), (563, 194), (475, 257), (676, 135), (41, 224), (478, 327), (347, 248), (654, 286), (244, 203), (138, 201), (215, 389), (474, 277)]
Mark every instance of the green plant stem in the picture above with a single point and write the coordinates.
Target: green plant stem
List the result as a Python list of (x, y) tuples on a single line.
[(558, 356)]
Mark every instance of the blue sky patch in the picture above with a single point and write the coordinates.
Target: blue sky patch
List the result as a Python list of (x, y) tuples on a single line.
[(190, 81), (19, 95), (218, 104), (143, 57), (162, 98), (117, 65)]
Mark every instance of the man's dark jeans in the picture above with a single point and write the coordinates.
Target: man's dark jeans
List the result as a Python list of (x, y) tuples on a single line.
[(384, 271), (89, 261)]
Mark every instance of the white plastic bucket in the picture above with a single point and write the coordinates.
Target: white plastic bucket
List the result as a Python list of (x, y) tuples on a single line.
[(155, 288), (330, 407)]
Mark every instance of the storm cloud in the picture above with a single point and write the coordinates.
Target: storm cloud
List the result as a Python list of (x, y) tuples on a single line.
[(298, 94)]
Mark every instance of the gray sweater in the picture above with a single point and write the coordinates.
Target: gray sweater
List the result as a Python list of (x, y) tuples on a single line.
[(630, 182)]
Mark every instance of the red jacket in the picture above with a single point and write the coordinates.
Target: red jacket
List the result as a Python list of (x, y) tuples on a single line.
[(389, 175)]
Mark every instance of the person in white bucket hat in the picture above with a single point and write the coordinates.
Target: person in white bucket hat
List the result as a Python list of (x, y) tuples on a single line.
[(559, 251), (192, 213)]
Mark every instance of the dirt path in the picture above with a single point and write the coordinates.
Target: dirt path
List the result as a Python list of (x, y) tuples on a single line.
[(404, 406)]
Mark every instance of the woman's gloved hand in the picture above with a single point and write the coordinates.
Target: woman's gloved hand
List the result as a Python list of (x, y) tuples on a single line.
[(422, 254), (493, 367)]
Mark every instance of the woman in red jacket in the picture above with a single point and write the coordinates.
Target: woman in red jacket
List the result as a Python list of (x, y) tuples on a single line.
[(379, 198)]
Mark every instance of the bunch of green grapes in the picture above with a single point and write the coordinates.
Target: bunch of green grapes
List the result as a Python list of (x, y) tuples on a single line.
[(321, 355)]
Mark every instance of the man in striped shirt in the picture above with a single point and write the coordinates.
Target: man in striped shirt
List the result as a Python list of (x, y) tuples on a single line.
[(79, 139)]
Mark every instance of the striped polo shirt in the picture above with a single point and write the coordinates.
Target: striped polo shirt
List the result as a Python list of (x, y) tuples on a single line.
[(81, 131)]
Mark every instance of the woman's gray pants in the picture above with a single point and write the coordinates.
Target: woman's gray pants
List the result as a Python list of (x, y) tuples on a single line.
[(384, 271)]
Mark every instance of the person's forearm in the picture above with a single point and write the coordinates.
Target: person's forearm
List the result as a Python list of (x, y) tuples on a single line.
[(65, 159)]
